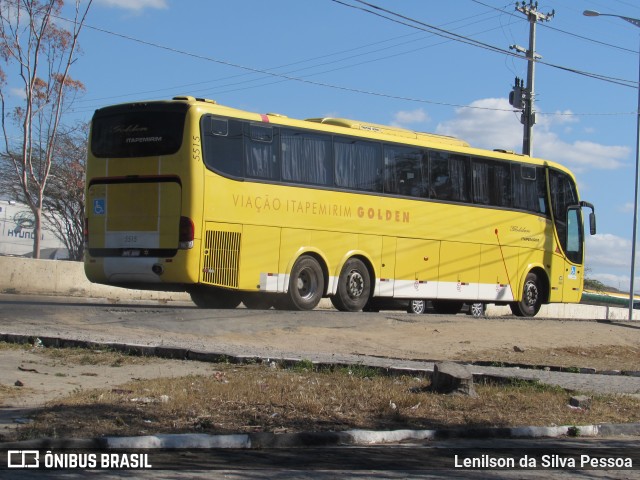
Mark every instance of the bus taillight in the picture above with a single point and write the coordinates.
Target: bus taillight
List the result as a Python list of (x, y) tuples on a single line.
[(186, 233), (86, 232)]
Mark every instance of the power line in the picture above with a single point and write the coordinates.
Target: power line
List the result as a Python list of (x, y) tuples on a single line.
[(470, 41), (279, 75), (549, 27), (369, 45), (286, 77)]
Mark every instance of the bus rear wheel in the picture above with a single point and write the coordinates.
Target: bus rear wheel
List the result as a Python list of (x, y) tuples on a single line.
[(306, 284), (213, 297), (354, 287), (532, 294)]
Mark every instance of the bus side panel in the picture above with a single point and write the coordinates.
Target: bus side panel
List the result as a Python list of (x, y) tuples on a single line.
[(417, 268), (498, 271), (259, 259), (459, 271), (385, 286)]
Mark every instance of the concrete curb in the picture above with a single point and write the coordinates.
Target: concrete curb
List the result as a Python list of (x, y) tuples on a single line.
[(320, 439), (180, 353)]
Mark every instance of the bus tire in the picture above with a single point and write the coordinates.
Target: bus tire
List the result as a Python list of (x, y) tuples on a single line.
[(477, 309), (417, 306), (306, 284), (354, 287), (205, 297), (532, 295), (447, 307)]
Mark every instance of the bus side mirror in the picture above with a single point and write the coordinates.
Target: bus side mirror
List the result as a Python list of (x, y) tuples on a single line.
[(592, 216)]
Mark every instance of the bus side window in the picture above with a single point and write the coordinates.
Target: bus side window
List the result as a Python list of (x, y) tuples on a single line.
[(405, 171), (491, 183), (529, 188), (261, 152), (358, 164), (480, 178), (222, 144), (306, 157), (449, 176), (524, 188), (543, 203)]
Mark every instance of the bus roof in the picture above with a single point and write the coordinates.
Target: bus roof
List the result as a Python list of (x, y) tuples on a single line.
[(366, 129), (387, 130)]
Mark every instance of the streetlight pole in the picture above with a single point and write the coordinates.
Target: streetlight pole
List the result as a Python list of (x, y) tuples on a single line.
[(636, 22)]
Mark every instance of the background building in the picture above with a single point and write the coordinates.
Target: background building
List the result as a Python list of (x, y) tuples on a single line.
[(16, 233)]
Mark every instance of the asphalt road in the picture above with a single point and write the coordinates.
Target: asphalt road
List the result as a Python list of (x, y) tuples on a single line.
[(283, 334), (424, 461)]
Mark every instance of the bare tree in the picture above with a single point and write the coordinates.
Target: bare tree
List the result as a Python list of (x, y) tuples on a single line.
[(41, 53), (63, 205)]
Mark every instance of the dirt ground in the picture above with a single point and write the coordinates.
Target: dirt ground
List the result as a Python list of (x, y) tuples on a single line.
[(86, 393), (29, 378)]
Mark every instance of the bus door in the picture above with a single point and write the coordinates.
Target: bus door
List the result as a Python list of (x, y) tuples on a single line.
[(574, 269)]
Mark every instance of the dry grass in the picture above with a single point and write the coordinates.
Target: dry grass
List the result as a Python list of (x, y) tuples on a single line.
[(603, 357), (260, 398), (82, 356)]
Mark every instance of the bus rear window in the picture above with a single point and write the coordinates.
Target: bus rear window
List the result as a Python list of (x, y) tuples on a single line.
[(142, 130)]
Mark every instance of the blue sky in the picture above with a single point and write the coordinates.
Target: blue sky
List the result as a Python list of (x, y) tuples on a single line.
[(333, 60)]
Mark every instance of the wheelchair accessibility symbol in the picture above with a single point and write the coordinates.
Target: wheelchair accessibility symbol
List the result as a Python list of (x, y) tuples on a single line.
[(99, 206)]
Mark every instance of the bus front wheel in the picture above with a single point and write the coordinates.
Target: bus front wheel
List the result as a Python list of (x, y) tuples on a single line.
[(306, 284), (417, 306), (354, 287), (532, 295)]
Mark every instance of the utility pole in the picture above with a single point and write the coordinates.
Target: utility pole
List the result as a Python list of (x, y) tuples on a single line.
[(526, 94)]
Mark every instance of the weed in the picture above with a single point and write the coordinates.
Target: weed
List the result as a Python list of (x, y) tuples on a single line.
[(360, 371), (303, 365)]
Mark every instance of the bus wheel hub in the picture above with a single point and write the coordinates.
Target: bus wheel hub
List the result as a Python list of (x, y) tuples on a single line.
[(355, 284)]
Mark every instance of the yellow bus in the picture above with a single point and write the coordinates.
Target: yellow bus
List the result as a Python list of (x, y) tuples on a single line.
[(233, 206)]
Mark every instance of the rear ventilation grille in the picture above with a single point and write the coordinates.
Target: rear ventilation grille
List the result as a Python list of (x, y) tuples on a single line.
[(221, 258)]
